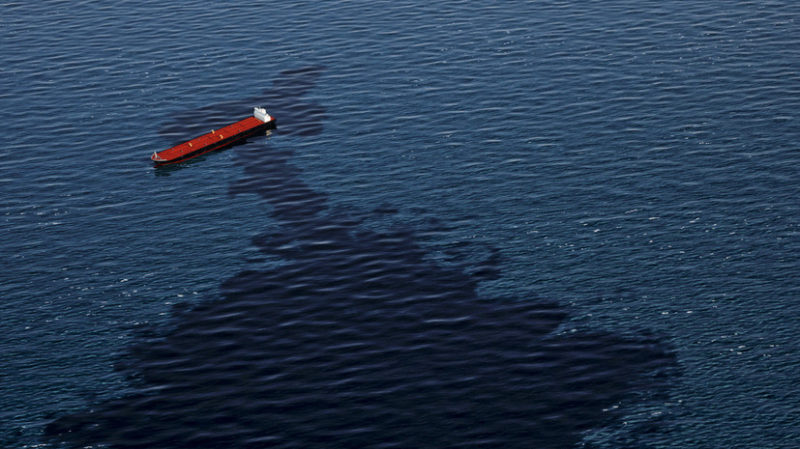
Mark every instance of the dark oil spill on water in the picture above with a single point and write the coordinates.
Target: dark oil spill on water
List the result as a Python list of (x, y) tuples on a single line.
[(359, 339)]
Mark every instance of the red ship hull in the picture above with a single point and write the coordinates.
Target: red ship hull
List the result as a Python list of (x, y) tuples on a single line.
[(215, 140)]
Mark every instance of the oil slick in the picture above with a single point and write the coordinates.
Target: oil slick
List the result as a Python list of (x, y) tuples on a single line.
[(283, 99), (359, 340)]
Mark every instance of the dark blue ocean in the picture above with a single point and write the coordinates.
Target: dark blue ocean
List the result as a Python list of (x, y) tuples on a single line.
[(519, 224)]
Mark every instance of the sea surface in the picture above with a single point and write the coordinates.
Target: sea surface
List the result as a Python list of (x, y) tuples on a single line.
[(533, 224)]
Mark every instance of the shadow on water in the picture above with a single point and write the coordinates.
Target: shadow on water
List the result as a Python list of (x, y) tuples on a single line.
[(360, 340)]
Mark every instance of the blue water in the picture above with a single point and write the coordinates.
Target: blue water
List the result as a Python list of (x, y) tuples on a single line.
[(526, 224)]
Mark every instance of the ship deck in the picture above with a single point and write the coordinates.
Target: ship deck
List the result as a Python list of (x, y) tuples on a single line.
[(210, 139)]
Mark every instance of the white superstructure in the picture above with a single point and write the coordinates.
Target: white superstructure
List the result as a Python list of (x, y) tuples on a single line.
[(261, 114)]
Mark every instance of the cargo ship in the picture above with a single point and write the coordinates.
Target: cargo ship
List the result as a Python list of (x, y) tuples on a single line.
[(216, 139)]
